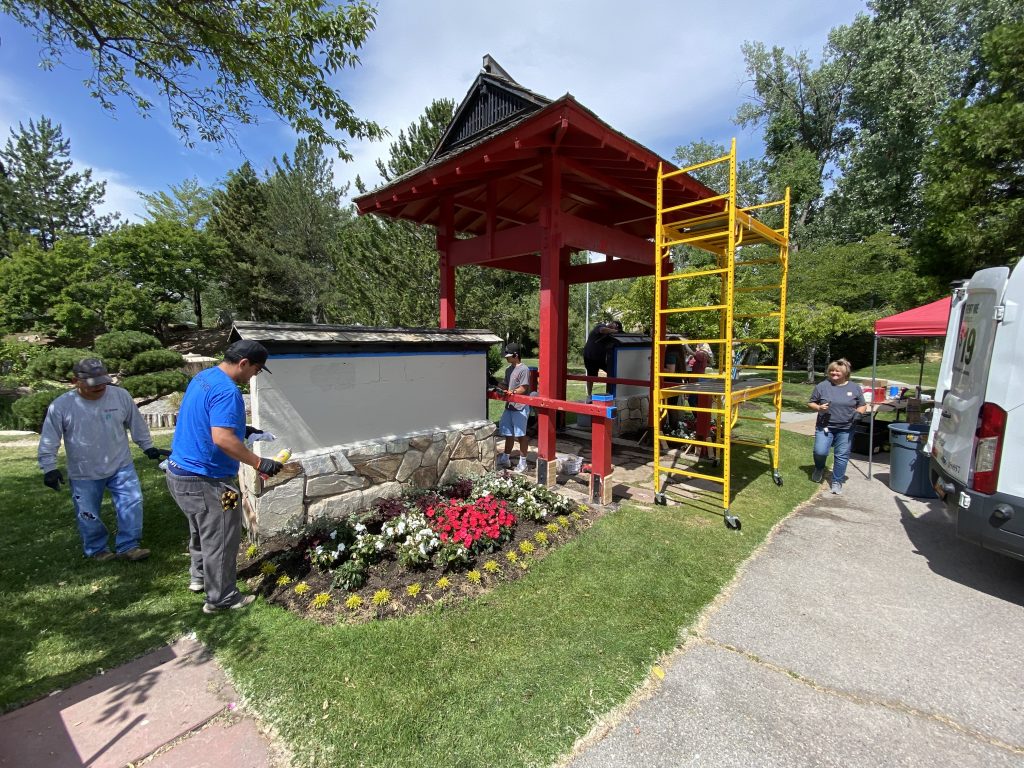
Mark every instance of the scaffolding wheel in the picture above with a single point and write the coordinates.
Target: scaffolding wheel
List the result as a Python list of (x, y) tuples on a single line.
[(660, 500), (732, 522), (777, 477)]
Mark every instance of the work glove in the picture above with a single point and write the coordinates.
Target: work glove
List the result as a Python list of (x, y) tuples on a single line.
[(269, 467), (250, 430), (156, 454), (53, 479)]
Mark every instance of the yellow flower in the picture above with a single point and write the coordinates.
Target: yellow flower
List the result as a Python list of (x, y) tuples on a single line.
[(251, 551), (563, 521), (268, 569), (576, 516), (526, 547), (524, 564), (542, 538), (321, 600), (491, 566), (284, 580), (552, 529), (301, 588), (473, 576), (443, 583), (413, 589), (354, 602), (511, 556), (381, 598)]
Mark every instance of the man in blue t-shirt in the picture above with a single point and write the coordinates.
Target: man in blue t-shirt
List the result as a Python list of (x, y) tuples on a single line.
[(208, 447)]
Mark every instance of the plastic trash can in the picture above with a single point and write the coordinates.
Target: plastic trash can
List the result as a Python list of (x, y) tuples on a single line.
[(908, 464)]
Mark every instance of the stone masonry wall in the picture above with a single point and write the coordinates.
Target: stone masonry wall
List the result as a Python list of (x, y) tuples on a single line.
[(344, 480)]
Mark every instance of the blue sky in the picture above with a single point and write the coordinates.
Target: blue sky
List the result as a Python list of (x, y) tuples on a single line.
[(664, 72)]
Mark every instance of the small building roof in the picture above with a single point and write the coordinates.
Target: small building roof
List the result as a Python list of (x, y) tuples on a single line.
[(312, 334)]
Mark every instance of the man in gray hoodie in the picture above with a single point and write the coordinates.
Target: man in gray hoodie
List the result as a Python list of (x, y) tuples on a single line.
[(92, 420)]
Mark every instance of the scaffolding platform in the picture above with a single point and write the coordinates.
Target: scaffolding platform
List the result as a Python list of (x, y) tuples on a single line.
[(750, 265)]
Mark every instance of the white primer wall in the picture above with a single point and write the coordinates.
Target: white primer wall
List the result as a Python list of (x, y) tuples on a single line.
[(632, 363), (313, 401)]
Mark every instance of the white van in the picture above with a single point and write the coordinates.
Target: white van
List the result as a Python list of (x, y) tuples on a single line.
[(977, 432)]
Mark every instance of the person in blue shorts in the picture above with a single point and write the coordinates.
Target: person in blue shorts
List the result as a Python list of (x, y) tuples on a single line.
[(208, 448), (516, 415)]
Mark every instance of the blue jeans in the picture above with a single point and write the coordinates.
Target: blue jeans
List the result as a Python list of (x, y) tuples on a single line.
[(126, 493), (839, 440)]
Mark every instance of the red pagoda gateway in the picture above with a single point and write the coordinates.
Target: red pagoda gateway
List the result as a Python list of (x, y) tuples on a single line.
[(518, 182)]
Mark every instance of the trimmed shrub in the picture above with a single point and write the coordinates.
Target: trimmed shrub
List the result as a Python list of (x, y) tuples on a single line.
[(56, 363), (123, 345), (31, 409), (155, 384), (153, 360)]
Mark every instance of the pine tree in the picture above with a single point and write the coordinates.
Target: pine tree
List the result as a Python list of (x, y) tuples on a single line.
[(40, 195)]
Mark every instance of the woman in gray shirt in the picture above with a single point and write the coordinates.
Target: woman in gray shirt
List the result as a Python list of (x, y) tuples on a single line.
[(837, 402)]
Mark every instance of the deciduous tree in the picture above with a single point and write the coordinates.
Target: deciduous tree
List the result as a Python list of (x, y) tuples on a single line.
[(213, 65)]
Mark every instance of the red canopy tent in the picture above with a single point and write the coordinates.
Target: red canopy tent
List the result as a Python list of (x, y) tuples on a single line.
[(928, 321)]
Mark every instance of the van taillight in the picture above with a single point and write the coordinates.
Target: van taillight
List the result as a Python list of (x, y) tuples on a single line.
[(988, 448)]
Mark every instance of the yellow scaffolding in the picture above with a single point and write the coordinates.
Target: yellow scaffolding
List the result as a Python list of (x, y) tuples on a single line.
[(727, 234)]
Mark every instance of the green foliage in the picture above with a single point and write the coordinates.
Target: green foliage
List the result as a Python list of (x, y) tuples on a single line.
[(30, 410), (16, 357), (153, 385), (494, 359), (56, 363), (974, 195), (40, 197), (215, 65), (154, 360), (350, 575), (125, 345), (188, 204)]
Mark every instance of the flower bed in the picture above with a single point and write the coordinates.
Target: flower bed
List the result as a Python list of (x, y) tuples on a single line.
[(414, 551)]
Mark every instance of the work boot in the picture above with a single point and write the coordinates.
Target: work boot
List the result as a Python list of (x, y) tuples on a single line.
[(134, 554), (817, 475), (102, 557)]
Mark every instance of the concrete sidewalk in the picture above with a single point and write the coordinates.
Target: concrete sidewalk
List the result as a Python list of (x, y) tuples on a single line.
[(863, 633), (172, 708)]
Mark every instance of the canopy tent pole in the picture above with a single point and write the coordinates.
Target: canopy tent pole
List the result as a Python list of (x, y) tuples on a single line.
[(871, 424)]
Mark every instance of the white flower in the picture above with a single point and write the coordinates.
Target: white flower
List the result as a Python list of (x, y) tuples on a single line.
[(360, 527), (334, 535), (379, 545)]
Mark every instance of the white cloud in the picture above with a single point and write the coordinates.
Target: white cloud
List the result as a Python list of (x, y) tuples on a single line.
[(121, 195)]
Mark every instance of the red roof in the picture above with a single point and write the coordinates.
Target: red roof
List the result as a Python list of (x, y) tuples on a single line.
[(929, 320)]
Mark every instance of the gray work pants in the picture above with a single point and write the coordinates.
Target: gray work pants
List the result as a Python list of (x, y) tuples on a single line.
[(213, 535)]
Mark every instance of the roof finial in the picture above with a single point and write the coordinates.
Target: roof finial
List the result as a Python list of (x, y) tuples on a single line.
[(492, 67)]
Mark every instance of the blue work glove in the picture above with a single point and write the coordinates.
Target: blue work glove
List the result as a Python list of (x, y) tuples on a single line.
[(53, 479), (156, 454)]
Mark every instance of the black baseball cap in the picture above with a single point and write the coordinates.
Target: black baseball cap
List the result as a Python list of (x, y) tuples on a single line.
[(246, 349), (92, 372), (512, 350)]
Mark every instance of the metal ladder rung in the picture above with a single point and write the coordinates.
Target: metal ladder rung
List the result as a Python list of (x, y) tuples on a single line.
[(679, 310), (687, 473), (701, 273)]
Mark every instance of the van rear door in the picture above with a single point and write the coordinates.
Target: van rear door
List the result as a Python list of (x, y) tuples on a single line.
[(953, 441)]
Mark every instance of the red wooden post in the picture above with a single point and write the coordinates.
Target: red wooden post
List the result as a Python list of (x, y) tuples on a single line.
[(445, 236), (551, 310), (600, 461)]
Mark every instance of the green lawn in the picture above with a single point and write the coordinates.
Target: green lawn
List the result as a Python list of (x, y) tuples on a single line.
[(511, 678), (908, 373)]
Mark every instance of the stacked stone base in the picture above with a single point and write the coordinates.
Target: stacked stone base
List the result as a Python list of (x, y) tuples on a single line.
[(346, 480)]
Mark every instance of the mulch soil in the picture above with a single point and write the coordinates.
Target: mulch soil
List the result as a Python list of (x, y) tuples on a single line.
[(389, 575)]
